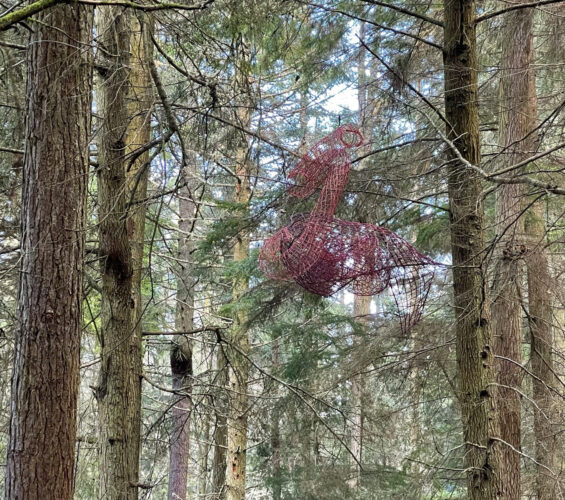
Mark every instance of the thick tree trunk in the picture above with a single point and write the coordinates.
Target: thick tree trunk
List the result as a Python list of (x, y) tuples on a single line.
[(118, 343), (46, 365), (517, 120), (239, 365), (181, 352), (519, 97), (475, 361)]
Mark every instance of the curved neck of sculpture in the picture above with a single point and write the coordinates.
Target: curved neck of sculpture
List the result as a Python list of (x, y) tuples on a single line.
[(334, 185)]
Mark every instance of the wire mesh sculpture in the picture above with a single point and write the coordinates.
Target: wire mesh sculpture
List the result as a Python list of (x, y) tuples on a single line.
[(324, 254)]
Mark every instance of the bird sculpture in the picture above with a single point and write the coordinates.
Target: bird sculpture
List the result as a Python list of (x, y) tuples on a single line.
[(324, 254)]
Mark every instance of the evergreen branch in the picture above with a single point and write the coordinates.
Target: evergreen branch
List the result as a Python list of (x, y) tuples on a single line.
[(436, 110), (378, 25), (517, 6)]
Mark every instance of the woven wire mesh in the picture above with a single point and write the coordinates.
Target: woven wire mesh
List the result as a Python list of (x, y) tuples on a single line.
[(324, 254)]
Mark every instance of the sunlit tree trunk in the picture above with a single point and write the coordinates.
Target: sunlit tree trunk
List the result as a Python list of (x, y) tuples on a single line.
[(474, 341), (46, 360), (239, 364), (140, 107), (361, 305), (220, 429)]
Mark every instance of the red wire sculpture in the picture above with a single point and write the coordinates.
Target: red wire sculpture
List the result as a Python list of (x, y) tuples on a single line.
[(324, 254)]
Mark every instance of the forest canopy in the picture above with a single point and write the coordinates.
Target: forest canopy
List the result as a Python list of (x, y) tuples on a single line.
[(211, 291)]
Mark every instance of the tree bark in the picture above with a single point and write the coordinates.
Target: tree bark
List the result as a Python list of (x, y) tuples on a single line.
[(140, 106), (118, 343), (475, 362), (46, 366), (220, 429), (540, 320), (517, 121), (361, 305), (239, 364), (181, 352)]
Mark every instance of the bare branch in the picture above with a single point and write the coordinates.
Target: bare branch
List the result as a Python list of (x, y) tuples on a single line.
[(397, 8)]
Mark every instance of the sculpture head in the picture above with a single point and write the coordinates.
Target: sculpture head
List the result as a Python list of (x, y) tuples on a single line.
[(324, 157)]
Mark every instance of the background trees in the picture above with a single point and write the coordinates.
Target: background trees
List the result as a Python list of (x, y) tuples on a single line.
[(252, 387)]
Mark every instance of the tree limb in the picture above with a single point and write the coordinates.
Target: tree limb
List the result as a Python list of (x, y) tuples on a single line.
[(9, 20), (397, 8), (539, 3)]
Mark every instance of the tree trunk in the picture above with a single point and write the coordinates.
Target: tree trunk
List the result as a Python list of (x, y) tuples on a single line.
[(203, 453), (181, 352), (46, 365), (517, 120), (239, 365), (118, 343), (361, 311), (361, 305), (138, 135), (276, 425), (540, 319), (475, 361), (220, 429)]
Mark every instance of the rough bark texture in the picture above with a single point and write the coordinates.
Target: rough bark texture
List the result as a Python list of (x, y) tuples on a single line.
[(522, 101), (540, 319), (239, 365), (140, 106), (517, 115), (181, 352), (46, 366), (118, 346), (475, 362)]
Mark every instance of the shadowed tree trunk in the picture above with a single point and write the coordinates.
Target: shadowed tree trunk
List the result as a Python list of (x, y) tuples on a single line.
[(540, 320), (181, 352), (474, 342), (46, 365)]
